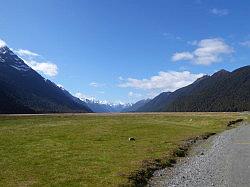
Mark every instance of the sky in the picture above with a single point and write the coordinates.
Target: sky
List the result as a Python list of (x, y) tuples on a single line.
[(127, 50)]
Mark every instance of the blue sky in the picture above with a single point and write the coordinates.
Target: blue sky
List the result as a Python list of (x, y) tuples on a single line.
[(126, 50)]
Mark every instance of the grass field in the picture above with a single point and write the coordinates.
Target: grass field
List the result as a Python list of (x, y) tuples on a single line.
[(92, 150)]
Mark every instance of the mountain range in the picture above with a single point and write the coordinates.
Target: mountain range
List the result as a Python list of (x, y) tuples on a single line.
[(223, 91), (23, 90), (134, 107), (105, 107), (156, 104)]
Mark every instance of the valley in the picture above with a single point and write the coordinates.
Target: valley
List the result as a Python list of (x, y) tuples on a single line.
[(128, 93), (93, 149)]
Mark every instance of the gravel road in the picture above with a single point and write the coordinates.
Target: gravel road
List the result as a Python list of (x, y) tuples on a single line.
[(222, 160)]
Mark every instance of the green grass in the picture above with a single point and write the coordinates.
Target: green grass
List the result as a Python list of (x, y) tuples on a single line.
[(92, 150)]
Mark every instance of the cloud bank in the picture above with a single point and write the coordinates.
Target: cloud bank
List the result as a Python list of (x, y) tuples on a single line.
[(208, 51), (35, 61), (25, 52), (165, 81), (46, 68)]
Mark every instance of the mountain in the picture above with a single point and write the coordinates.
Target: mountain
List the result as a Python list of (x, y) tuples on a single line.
[(103, 106), (23, 90), (134, 107), (156, 104), (223, 91)]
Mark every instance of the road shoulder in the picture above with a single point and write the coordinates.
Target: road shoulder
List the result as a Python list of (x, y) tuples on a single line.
[(215, 162)]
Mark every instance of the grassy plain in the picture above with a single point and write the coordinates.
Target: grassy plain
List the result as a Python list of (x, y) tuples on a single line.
[(93, 150)]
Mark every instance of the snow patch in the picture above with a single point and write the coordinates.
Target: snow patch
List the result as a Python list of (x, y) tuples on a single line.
[(2, 43), (2, 60), (21, 67), (61, 87), (89, 99)]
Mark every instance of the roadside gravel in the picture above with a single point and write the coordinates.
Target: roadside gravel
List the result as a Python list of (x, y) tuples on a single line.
[(222, 160)]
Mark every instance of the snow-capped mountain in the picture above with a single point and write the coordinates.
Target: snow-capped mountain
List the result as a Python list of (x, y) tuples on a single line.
[(23, 90), (104, 106), (136, 105), (11, 59)]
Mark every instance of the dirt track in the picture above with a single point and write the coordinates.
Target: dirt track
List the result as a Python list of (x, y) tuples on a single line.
[(223, 160)]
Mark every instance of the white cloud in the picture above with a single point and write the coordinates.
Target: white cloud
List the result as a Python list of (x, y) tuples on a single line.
[(25, 52), (34, 61), (165, 81), (208, 51), (44, 67), (245, 43), (97, 85), (2, 43), (219, 12), (182, 56)]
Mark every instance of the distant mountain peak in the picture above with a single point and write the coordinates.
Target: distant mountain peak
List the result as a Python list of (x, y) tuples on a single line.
[(244, 68), (104, 102), (102, 106), (23, 90), (9, 58), (220, 73), (61, 87), (165, 93), (4, 49), (134, 107), (201, 78), (223, 71)]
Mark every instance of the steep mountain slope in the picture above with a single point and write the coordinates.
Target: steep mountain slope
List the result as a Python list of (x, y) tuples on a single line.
[(223, 91), (134, 107), (23, 90), (156, 104)]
